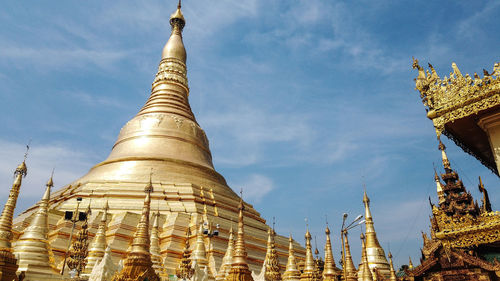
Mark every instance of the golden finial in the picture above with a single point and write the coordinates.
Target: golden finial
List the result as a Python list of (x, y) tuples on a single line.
[(174, 49), (392, 277), (291, 272), (439, 187), (442, 147), (486, 206), (410, 264), (32, 248)]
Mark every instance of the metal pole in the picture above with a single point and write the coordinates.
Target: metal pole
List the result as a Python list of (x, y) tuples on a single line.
[(74, 219), (343, 254)]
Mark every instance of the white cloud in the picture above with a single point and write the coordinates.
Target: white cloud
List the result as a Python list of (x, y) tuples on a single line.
[(255, 187)]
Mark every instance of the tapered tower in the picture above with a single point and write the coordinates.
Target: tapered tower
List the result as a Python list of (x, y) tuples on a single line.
[(138, 264), (374, 252), (34, 255), (292, 273), (350, 269), (330, 272), (8, 262), (164, 137), (98, 246), (239, 268)]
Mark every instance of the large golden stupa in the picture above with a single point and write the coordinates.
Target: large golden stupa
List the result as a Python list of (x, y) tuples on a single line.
[(165, 142)]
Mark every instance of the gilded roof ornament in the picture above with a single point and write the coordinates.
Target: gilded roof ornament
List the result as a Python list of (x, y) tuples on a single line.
[(456, 96)]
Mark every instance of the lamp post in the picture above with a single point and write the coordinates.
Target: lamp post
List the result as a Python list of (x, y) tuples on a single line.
[(343, 231)]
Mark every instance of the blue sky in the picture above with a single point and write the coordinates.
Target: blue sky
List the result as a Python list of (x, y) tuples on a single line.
[(301, 100)]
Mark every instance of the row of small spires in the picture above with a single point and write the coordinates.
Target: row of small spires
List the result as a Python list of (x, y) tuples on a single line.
[(38, 231), (146, 247)]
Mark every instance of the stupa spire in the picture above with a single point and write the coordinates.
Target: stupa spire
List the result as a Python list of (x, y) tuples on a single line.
[(309, 272), (364, 273), (227, 259), (155, 245), (439, 188), (99, 245), (199, 255), (375, 253), (7, 259), (456, 200), (393, 276), (446, 162), (239, 268), (34, 255), (271, 263), (329, 272), (349, 264), (291, 273), (138, 261), (9, 207), (185, 269)]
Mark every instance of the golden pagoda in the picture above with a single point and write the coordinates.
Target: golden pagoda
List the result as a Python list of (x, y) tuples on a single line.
[(393, 276), (32, 249), (138, 264), (364, 273), (228, 258), (465, 108), (374, 252), (155, 247), (330, 271), (309, 273), (98, 246), (185, 269), (165, 138), (292, 273), (349, 268), (272, 268), (239, 268), (8, 262)]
